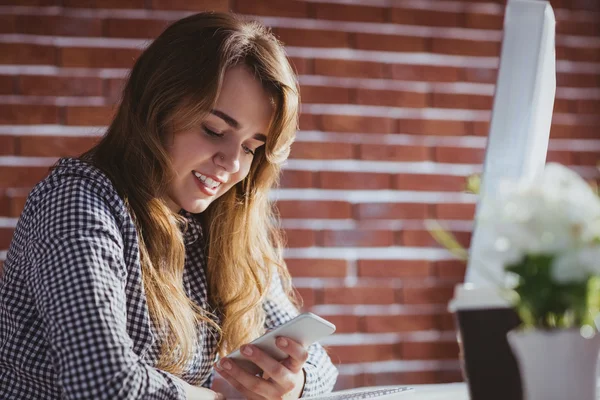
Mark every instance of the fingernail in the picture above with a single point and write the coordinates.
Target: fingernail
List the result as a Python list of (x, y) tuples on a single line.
[(282, 342), (247, 350), (226, 365)]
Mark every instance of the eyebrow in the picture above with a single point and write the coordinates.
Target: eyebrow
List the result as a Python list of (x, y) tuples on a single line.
[(235, 124)]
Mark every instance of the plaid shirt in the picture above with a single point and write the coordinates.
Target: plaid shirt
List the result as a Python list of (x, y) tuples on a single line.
[(74, 320)]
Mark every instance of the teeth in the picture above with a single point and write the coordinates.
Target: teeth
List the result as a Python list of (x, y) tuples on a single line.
[(207, 181)]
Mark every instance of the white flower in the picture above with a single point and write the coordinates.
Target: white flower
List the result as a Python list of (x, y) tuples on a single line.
[(576, 266), (552, 215)]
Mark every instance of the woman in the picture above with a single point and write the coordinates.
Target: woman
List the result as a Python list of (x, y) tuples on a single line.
[(135, 266)]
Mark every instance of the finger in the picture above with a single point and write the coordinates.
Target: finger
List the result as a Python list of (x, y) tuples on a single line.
[(297, 353), (272, 368), (249, 385)]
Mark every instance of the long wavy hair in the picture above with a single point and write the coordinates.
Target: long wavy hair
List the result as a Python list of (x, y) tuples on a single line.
[(175, 82)]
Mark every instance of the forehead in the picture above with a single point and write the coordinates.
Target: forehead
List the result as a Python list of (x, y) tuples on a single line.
[(243, 97)]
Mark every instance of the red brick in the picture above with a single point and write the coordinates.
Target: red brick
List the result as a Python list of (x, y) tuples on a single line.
[(135, 28), (11, 203), (448, 322), (322, 151), (26, 114), (573, 132), (427, 73), (297, 179), (483, 21), (429, 182), (314, 209), (196, 5), (411, 16), (317, 268), (370, 41), (588, 106), (566, 79), (449, 376), (325, 94), (30, 2), (130, 4), (459, 155), (354, 180), (344, 323), (364, 353), (302, 66), (433, 294), (358, 295), (93, 116), (312, 37), (401, 378), (25, 53), (565, 105), (307, 295), (309, 122), (480, 128), (8, 23), (576, 27), (400, 323), (299, 238), (349, 68), (356, 238), (6, 235), (7, 84), (391, 211), (21, 177), (54, 146), (483, 75), (465, 47), (562, 157), (453, 211), (385, 152), (59, 25), (432, 127), (358, 124), (7, 145), (114, 89), (36, 85), (466, 101), (453, 269), (429, 350), (586, 158), (98, 57), (423, 238), (277, 8), (353, 13), (392, 98), (584, 54), (394, 268)]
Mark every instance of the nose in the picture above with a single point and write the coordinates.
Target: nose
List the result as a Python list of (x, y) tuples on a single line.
[(228, 160)]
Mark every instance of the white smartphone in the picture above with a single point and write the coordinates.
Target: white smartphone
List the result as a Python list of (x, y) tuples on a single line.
[(305, 329)]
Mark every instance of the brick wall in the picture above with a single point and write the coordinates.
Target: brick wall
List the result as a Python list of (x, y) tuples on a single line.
[(396, 99)]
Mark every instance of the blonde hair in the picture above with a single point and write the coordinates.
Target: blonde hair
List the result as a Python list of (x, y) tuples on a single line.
[(175, 82)]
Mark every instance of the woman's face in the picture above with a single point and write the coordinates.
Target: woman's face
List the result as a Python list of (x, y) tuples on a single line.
[(210, 159)]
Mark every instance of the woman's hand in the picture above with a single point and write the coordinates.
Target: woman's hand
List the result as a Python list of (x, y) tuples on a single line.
[(281, 380), (199, 393)]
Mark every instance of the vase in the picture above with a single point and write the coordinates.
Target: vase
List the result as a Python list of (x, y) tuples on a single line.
[(556, 364)]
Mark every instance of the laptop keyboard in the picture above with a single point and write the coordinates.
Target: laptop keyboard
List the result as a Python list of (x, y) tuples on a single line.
[(369, 394)]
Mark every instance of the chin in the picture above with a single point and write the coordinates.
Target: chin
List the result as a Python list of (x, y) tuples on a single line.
[(196, 206)]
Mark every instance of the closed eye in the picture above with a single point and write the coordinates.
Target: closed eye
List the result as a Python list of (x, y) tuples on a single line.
[(210, 132)]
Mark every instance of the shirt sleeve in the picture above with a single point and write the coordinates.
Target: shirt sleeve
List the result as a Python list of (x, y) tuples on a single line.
[(77, 280), (321, 374)]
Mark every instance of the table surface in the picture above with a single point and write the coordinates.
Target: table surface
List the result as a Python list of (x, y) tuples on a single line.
[(448, 391)]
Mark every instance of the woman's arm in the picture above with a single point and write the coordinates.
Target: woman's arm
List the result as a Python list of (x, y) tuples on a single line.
[(320, 373), (77, 278)]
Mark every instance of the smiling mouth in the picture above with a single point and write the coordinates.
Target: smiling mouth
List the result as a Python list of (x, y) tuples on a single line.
[(206, 181)]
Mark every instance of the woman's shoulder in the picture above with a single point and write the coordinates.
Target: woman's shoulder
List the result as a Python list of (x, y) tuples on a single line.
[(75, 189)]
